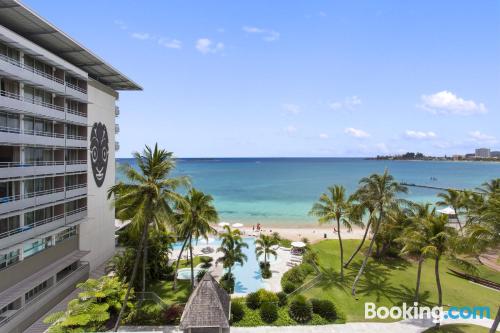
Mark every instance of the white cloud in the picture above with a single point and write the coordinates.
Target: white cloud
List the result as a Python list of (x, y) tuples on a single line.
[(478, 136), (120, 24), (141, 35), (291, 108), (290, 129), (446, 102), (323, 136), (170, 43), (205, 46), (349, 103), (322, 14), (357, 133), (267, 34), (420, 135)]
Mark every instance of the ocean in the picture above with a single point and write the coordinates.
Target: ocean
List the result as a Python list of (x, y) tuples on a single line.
[(280, 191)]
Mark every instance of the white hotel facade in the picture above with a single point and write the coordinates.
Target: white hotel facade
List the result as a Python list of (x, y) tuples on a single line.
[(57, 161)]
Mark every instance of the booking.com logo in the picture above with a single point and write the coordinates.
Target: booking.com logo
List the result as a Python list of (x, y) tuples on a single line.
[(435, 313)]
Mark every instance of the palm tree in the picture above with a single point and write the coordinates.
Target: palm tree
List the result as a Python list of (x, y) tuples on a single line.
[(364, 206), (454, 199), (232, 249), (440, 238), (264, 246), (490, 187), (381, 191), (334, 206), (146, 200), (414, 240), (195, 214)]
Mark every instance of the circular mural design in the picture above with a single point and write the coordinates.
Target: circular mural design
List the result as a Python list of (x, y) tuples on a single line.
[(99, 150)]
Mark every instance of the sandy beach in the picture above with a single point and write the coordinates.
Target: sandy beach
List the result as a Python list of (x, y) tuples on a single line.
[(312, 233)]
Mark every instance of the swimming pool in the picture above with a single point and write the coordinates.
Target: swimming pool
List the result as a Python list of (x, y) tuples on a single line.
[(248, 277), (185, 273)]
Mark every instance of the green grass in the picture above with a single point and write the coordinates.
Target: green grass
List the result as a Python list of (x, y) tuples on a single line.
[(391, 282), (185, 263), (458, 328), (164, 290)]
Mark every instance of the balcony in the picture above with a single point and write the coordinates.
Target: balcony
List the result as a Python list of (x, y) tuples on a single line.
[(117, 145), (76, 190), (76, 92), (76, 215), (35, 168), (76, 141), (117, 128), (16, 70), (23, 233), (23, 201), (17, 103), (76, 165), (76, 117), (64, 285), (117, 111)]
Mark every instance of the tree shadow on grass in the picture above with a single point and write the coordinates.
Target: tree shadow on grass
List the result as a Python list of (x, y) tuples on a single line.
[(330, 278), (405, 294)]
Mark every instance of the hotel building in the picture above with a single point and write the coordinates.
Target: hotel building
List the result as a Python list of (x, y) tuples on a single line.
[(57, 161)]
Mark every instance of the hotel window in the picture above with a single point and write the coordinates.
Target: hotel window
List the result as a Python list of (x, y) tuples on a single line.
[(9, 224), (30, 295), (38, 216), (37, 64), (66, 271), (10, 258), (9, 52), (37, 246), (8, 86), (37, 96), (65, 234), (9, 122), (38, 185), (32, 155), (37, 126)]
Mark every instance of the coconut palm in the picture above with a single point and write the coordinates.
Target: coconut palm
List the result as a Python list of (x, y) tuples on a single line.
[(381, 191), (232, 249), (440, 238), (146, 199), (264, 246), (490, 187), (454, 199), (195, 214), (364, 206), (335, 206), (414, 239)]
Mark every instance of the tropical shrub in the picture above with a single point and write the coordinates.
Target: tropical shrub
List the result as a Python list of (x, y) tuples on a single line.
[(227, 282), (326, 309), (269, 312), (295, 275), (300, 309), (288, 287), (237, 312), (173, 314), (206, 261), (315, 305), (200, 274), (147, 314), (266, 296), (253, 300), (282, 298)]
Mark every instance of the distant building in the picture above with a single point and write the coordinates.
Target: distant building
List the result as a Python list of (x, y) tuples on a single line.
[(483, 153), (470, 155)]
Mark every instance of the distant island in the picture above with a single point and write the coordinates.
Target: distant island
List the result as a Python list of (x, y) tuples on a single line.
[(411, 156)]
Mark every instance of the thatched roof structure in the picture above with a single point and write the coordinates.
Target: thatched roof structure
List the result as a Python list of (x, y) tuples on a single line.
[(208, 306)]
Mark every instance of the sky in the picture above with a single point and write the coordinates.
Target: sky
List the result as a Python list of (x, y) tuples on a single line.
[(297, 78)]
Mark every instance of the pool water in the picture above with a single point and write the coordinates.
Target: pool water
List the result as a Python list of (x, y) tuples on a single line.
[(247, 276), (185, 273)]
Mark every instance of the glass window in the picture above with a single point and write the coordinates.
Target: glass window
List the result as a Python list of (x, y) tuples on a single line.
[(65, 234), (9, 223), (37, 246), (30, 295), (29, 124), (9, 258)]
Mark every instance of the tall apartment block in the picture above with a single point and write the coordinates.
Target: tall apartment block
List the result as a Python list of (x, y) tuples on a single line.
[(57, 161)]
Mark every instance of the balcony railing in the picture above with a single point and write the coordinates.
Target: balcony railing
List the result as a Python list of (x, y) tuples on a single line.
[(31, 69), (42, 193), (46, 134), (73, 162), (117, 111), (30, 226), (36, 194), (76, 112), (76, 137), (29, 164), (34, 101), (15, 130), (76, 211), (75, 187), (77, 88)]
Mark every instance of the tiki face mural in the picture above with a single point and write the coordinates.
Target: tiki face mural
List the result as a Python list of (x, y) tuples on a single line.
[(99, 152)]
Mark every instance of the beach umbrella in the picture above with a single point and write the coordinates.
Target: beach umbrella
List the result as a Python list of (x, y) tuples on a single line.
[(447, 211), (298, 244), (222, 224), (275, 247), (237, 225)]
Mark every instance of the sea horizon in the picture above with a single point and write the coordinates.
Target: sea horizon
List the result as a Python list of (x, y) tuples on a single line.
[(279, 191)]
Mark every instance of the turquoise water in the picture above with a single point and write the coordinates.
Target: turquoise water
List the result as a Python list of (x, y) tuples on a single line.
[(280, 191)]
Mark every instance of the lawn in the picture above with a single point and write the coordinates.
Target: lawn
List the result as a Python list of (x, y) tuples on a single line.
[(458, 328), (164, 290), (392, 282)]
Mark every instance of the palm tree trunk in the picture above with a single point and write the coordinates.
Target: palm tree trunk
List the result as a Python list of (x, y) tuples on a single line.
[(144, 262), (360, 244), (177, 263), (191, 254), (494, 327), (419, 271), (370, 249), (341, 252), (438, 284), (132, 278), (458, 221)]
